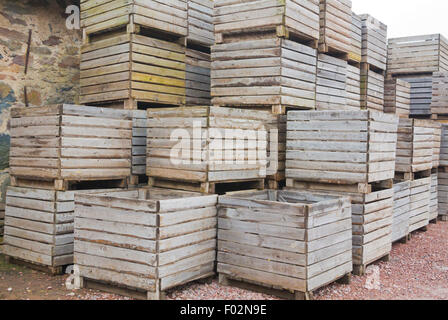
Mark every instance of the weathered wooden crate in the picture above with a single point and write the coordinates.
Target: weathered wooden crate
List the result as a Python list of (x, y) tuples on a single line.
[(276, 151), (133, 69), (99, 16), (397, 97), (290, 240), (147, 240), (414, 147), (53, 146), (444, 146), (420, 204), (331, 84), (374, 42), (356, 39), (139, 131), (341, 147), (402, 205), (353, 87), (372, 89), (203, 152), (433, 202), (286, 18), (371, 221), (421, 94), (439, 101), (442, 194), (272, 72), (198, 83), (335, 26), (39, 226), (417, 54), (200, 22)]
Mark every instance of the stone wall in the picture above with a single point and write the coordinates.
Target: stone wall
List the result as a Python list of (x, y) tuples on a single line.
[(53, 66)]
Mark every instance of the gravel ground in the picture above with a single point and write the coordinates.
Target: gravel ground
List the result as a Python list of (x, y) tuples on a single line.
[(417, 270)]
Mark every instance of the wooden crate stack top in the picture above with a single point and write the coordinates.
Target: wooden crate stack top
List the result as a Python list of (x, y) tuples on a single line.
[(374, 58), (131, 69), (55, 146), (272, 72), (417, 55), (439, 102), (285, 18), (206, 160), (336, 27), (308, 240), (145, 239), (401, 216), (99, 16), (397, 97)]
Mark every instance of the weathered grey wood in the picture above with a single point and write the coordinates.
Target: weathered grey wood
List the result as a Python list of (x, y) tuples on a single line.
[(162, 236), (288, 239)]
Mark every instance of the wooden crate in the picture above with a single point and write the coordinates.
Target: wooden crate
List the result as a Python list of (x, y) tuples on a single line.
[(420, 204), (442, 194), (397, 97), (272, 72), (198, 83), (374, 42), (200, 22), (415, 146), (276, 148), (139, 130), (148, 240), (290, 240), (371, 221), (421, 94), (372, 89), (134, 69), (341, 147), (335, 26), (99, 16), (39, 226), (356, 39), (417, 54), (211, 158), (439, 101), (331, 84), (286, 18), (433, 202), (353, 87), (402, 205), (55, 145)]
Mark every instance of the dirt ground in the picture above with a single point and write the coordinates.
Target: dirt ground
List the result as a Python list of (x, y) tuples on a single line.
[(416, 270)]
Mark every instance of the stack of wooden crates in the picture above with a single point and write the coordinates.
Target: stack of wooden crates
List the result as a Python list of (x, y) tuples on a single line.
[(56, 152)]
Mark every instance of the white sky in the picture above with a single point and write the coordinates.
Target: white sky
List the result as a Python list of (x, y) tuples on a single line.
[(407, 17)]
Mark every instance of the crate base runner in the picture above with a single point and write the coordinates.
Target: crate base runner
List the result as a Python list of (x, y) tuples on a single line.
[(411, 176), (360, 269), (226, 280), (135, 293), (54, 271), (208, 187), (363, 188), (67, 185)]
